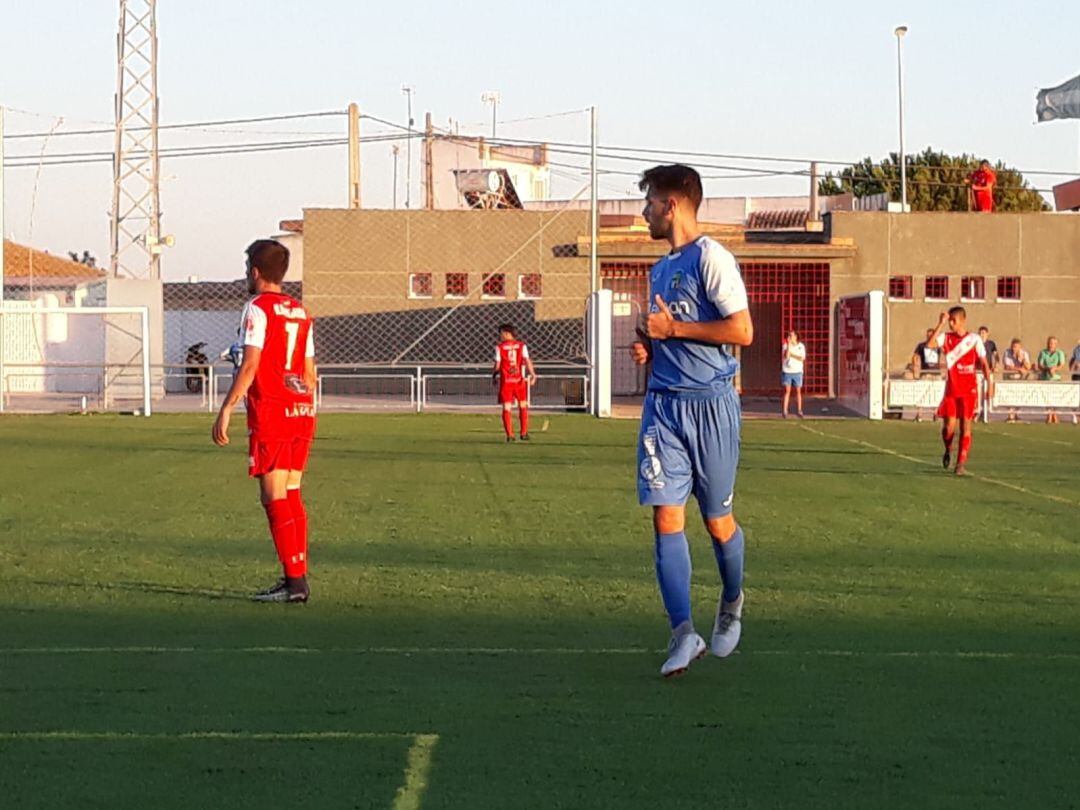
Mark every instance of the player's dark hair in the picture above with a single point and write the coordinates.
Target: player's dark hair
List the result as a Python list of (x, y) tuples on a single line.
[(987, 328), (1014, 341), (271, 257), (674, 179), (507, 327), (954, 311)]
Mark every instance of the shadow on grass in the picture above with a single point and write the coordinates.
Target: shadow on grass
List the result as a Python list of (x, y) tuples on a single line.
[(213, 594)]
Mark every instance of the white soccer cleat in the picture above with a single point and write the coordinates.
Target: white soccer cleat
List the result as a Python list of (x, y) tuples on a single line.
[(682, 652), (727, 628)]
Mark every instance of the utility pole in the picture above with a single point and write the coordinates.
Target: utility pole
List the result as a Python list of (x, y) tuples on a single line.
[(136, 242), (394, 150), (408, 90), (492, 97), (354, 155), (429, 171)]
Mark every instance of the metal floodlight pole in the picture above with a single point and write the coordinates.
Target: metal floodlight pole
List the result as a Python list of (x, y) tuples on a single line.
[(899, 32), (136, 205), (408, 90)]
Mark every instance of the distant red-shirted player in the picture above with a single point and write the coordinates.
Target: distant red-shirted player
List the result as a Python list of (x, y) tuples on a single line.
[(277, 376), (982, 182), (514, 373), (963, 353)]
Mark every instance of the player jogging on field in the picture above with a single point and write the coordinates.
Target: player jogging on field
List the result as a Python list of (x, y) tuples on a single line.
[(689, 440), (514, 373), (277, 375), (964, 352)]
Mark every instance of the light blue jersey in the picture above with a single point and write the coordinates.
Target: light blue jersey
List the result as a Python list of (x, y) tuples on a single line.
[(700, 282), (689, 440)]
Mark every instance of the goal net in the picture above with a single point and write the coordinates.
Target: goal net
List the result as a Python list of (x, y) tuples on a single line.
[(70, 359)]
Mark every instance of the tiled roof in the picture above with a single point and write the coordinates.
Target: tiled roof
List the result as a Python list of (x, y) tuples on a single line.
[(777, 219), (17, 265), (292, 225)]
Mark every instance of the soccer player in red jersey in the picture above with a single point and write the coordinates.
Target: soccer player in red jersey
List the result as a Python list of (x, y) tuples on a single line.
[(963, 353), (982, 182), (277, 377), (514, 373)]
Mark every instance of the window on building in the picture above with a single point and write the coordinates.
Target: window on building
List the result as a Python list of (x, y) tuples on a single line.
[(973, 288), (457, 285), (495, 285), (937, 288), (419, 285), (1008, 288), (900, 288), (530, 285)]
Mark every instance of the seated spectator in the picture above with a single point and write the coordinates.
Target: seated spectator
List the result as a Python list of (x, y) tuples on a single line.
[(1050, 363), (926, 360), (992, 356), (1016, 362), (1051, 360), (1015, 365), (1074, 364)]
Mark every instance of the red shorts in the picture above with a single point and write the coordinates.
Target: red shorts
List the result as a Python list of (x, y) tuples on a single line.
[(958, 407), (267, 456), (514, 392)]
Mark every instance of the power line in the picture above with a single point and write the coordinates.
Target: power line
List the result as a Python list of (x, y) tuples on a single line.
[(205, 150), (189, 125)]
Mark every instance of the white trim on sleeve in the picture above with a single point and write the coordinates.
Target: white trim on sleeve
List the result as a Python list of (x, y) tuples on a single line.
[(309, 349), (723, 282), (253, 323)]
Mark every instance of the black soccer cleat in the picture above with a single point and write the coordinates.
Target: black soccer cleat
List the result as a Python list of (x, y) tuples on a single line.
[(285, 590), (525, 437), (945, 459), (509, 439)]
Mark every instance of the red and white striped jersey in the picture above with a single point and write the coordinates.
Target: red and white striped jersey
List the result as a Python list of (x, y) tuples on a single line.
[(962, 354)]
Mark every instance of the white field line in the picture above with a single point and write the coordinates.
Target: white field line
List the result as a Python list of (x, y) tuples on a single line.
[(983, 478), (408, 796), (417, 768), (984, 429), (534, 651)]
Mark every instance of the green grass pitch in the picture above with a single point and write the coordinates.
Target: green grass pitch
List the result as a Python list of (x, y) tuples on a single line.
[(485, 629)]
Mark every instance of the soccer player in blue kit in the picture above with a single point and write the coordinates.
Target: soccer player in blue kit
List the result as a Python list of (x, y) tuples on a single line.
[(689, 440)]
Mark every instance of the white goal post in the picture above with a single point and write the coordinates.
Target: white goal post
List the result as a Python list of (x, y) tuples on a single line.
[(69, 358)]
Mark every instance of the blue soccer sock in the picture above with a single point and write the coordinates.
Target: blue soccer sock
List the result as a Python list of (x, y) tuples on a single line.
[(673, 575), (729, 559)]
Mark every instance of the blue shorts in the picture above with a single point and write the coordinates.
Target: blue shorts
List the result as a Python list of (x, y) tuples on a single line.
[(689, 445), (791, 379)]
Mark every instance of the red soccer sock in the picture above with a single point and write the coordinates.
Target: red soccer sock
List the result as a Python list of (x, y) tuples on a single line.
[(299, 513), (947, 437), (965, 448), (283, 530), (508, 422), (524, 415)]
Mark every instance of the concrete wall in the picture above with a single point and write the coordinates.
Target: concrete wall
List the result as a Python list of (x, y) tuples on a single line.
[(358, 265), (1043, 249), (359, 261)]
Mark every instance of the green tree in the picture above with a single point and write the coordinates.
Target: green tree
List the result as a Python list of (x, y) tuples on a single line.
[(935, 182)]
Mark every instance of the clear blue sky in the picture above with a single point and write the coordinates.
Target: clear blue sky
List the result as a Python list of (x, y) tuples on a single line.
[(788, 79)]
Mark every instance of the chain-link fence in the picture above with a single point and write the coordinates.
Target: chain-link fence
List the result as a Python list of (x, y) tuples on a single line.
[(407, 302)]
